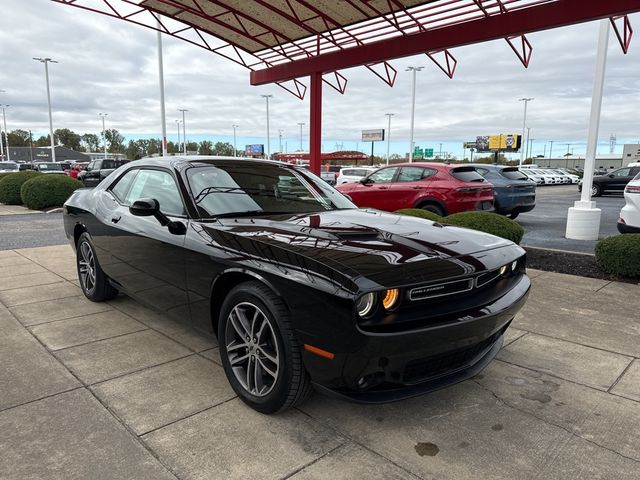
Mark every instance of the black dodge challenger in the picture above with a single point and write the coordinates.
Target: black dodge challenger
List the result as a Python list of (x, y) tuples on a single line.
[(301, 287)]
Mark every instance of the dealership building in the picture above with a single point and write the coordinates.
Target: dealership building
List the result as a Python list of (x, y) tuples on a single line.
[(609, 161), (63, 154)]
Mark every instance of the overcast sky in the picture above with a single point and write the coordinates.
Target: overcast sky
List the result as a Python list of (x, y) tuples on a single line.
[(107, 65)]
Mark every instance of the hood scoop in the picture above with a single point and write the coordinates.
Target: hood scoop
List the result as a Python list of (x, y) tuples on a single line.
[(354, 233)]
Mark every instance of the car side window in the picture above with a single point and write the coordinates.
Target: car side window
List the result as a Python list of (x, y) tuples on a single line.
[(97, 165), (623, 172), (384, 175), (90, 166), (159, 185), (410, 174), (482, 171), (348, 172), (122, 185)]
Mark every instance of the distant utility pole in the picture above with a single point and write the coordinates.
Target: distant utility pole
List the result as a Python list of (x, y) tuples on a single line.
[(46, 62), (280, 132), (389, 135), (163, 116), (104, 136), (184, 129), (550, 149), (178, 125), (301, 125), (1, 141), (524, 125), (6, 132), (267, 97), (413, 107), (527, 144), (235, 149)]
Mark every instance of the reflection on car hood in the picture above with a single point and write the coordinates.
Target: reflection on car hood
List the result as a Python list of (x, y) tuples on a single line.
[(387, 249)]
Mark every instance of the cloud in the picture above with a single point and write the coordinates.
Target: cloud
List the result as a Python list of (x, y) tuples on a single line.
[(110, 66)]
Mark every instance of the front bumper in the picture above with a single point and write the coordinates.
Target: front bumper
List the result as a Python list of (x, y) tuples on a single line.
[(393, 366)]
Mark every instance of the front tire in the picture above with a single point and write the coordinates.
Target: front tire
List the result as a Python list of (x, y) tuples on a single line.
[(259, 352), (93, 282), (596, 190)]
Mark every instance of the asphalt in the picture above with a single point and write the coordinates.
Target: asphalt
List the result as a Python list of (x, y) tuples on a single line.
[(545, 225), (114, 390), (24, 230)]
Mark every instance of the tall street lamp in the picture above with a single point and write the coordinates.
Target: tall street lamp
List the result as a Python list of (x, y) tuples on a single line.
[(301, 125), (163, 117), (6, 132), (267, 97), (280, 132), (413, 107), (1, 141), (389, 135), (104, 136), (184, 129), (46, 62), (235, 149), (524, 124), (178, 122)]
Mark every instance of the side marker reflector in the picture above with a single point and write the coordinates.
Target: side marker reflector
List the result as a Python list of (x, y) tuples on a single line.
[(319, 351)]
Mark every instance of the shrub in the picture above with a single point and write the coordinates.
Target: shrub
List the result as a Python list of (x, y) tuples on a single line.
[(48, 191), (4, 174), (620, 255), (488, 222), (420, 213), (11, 184)]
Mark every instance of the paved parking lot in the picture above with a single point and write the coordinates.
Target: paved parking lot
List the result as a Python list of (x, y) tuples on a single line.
[(545, 225), (117, 391)]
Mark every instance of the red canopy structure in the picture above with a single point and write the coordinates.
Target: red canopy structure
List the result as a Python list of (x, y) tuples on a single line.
[(283, 41)]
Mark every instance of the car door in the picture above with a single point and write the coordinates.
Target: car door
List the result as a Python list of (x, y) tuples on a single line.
[(147, 259), (618, 179), (410, 185), (91, 177), (375, 190)]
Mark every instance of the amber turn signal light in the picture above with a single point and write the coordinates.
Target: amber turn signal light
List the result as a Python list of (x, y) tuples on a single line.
[(390, 298), (318, 351)]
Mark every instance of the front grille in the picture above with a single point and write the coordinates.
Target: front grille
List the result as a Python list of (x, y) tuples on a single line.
[(441, 289), (425, 368)]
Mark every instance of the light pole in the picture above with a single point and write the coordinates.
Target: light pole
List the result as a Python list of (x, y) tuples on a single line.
[(163, 119), (235, 150), (301, 125), (440, 154), (184, 129), (1, 141), (6, 133), (46, 62), (550, 149), (527, 144), (280, 132), (267, 97), (524, 124), (413, 107), (531, 148), (104, 136), (178, 125), (389, 135)]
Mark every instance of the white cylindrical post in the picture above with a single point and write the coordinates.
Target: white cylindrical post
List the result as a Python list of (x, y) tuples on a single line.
[(583, 219), (413, 112), (178, 125), (46, 74), (163, 118), (389, 135), (267, 97), (235, 149), (6, 132)]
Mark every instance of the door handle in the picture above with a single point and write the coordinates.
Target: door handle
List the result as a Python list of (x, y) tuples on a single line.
[(383, 188), (115, 219)]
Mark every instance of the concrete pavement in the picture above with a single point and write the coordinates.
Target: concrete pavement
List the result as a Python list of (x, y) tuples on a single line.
[(117, 391)]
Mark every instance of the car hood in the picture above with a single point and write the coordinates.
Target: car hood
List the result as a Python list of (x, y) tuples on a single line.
[(369, 247)]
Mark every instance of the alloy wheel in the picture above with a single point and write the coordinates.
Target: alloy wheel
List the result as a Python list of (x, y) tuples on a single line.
[(87, 266), (594, 191), (252, 349)]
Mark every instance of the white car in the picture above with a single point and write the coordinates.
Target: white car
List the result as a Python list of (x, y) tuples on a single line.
[(9, 167), (629, 221), (566, 177), (536, 178), (353, 174)]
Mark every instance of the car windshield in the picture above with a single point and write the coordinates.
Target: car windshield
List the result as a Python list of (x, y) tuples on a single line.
[(513, 174), (49, 166), (237, 188), (8, 166)]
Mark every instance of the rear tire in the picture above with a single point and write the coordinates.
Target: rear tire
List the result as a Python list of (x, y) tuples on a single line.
[(433, 208), (94, 283), (260, 354)]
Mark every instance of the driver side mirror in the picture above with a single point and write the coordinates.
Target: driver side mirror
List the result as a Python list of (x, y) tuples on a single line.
[(366, 181), (611, 175), (148, 207)]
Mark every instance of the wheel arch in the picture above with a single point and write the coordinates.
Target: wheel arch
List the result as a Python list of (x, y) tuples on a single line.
[(227, 281), (78, 230), (433, 201)]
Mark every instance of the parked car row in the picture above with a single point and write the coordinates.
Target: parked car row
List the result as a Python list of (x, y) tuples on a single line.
[(613, 182), (551, 176)]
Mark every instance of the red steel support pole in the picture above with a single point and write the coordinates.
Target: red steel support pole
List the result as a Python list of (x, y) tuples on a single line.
[(315, 124)]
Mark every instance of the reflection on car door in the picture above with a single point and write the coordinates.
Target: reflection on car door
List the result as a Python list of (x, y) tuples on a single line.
[(376, 193), (411, 183), (147, 260)]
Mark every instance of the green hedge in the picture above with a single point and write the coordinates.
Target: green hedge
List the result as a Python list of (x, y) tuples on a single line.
[(11, 184), (620, 255), (420, 213), (483, 221), (48, 191), (4, 174)]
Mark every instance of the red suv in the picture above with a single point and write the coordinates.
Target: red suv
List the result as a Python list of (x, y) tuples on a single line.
[(436, 187)]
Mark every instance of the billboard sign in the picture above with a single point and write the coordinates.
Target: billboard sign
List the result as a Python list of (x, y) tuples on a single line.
[(373, 135), (254, 150), (503, 142)]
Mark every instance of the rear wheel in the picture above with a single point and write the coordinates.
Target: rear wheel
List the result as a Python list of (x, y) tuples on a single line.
[(433, 208), (259, 352), (93, 282)]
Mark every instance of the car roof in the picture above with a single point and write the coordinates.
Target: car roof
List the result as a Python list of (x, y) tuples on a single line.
[(180, 162), (447, 166)]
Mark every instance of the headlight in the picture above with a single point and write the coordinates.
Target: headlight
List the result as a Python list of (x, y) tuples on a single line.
[(514, 265), (390, 299), (365, 304), (504, 269)]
